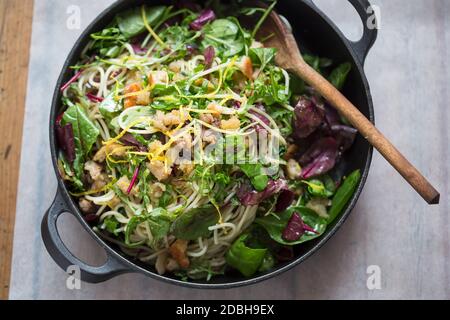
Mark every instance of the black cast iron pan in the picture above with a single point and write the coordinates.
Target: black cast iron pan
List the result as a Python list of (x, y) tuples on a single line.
[(318, 35)]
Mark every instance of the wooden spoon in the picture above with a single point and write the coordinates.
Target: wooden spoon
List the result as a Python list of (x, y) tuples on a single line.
[(290, 58)]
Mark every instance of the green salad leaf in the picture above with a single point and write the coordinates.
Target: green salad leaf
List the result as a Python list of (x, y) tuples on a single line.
[(343, 194), (339, 75), (225, 36), (275, 225), (194, 223), (131, 23), (245, 259)]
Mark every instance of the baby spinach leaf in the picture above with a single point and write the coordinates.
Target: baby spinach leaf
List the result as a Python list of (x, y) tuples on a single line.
[(275, 225), (131, 23), (343, 194), (194, 223), (246, 260), (225, 36), (339, 75)]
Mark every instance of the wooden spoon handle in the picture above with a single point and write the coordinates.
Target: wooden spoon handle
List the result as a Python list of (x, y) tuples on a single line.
[(368, 131)]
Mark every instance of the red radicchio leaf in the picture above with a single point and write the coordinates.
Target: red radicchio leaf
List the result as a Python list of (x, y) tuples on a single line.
[(129, 140), (308, 117), (205, 16), (319, 158), (133, 180), (258, 127), (285, 199), (209, 54), (65, 139), (72, 80), (94, 98), (138, 49), (344, 135), (294, 229), (249, 197)]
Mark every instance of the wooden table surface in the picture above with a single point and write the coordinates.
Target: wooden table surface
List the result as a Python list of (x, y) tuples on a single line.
[(15, 33), (391, 229)]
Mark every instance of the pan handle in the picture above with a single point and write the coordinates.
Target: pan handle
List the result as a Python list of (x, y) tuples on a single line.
[(370, 23), (367, 14), (63, 257)]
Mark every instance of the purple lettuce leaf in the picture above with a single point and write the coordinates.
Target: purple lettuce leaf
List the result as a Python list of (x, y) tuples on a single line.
[(284, 200), (309, 115), (209, 54), (294, 229), (320, 158), (250, 197), (205, 16), (129, 140), (65, 139), (258, 127), (344, 135)]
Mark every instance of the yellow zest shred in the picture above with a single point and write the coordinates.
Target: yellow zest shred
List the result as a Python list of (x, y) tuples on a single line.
[(153, 33)]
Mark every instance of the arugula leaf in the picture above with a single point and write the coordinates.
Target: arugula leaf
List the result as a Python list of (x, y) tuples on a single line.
[(194, 223), (275, 225), (339, 75), (111, 224), (246, 260), (317, 63), (262, 56), (158, 221), (131, 23), (108, 42)]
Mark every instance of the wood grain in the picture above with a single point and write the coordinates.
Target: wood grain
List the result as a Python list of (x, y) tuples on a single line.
[(15, 33)]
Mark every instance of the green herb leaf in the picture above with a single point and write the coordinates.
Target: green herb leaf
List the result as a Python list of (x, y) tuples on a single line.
[(243, 258), (343, 194), (194, 223), (339, 75), (131, 23), (262, 56), (275, 225)]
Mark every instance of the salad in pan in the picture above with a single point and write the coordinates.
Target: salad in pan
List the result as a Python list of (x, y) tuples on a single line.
[(191, 150)]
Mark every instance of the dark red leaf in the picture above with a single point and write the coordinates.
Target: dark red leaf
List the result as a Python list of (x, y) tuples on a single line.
[(205, 16), (285, 199), (129, 140), (65, 139), (308, 116), (249, 197), (294, 229), (319, 158), (209, 54)]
